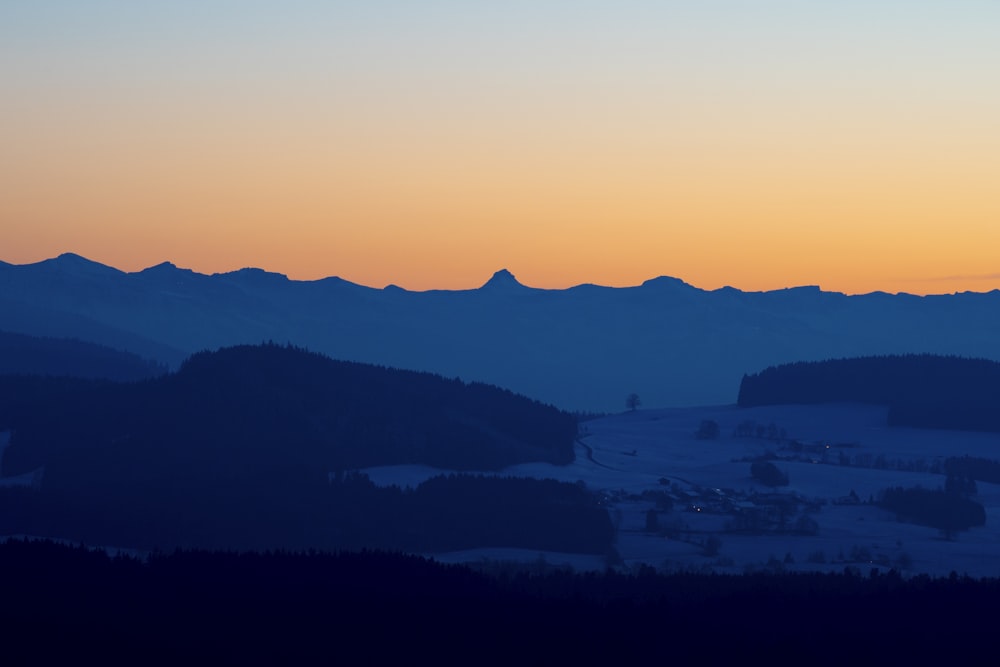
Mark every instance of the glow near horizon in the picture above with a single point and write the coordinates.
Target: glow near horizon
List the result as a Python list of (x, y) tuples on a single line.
[(761, 145)]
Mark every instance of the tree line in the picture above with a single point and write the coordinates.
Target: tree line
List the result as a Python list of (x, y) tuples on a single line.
[(947, 509), (378, 607), (21, 354), (920, 390), (444, 513)]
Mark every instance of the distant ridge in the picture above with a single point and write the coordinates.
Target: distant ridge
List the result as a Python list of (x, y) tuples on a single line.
[(255, 275), (582, 348), (69, 262), (164, 267), (73, 263), (668, 282)]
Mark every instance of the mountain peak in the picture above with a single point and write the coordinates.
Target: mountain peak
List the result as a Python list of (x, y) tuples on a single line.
[(667, 282), (72, 257), (73, 263), (502, 279), (162, 267), (254, 275)]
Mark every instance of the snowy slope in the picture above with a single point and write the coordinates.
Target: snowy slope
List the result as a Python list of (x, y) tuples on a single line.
[(633, 452)]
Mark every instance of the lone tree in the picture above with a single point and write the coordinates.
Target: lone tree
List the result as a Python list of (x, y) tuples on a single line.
[(708, 430), (632, 401), (767, 473)]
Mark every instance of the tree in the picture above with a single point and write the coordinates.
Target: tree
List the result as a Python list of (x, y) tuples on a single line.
[(711, 546), (767, 473), (958, 485), (948, 512), (652, 521), (633, 401), (707, 430), (745, 428)]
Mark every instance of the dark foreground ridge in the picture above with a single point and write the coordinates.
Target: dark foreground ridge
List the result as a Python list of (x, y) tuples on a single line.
[(379, 608), (257, 447), (285, 403)]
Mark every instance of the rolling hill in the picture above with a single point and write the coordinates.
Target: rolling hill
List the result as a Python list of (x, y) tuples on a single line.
[(253, 446)]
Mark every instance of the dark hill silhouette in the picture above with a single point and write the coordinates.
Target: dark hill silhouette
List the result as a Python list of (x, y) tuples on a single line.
[(34, 355), (64, 602), (248, 447), (282, 402), (922, 390)]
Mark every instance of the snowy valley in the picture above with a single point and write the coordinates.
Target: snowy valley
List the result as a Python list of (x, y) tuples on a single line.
[(680, 502)]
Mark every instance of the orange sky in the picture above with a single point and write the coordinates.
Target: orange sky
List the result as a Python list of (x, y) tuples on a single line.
[(780, 145)]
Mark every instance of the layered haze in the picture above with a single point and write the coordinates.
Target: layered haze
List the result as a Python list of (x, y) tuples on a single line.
[(583, 348)]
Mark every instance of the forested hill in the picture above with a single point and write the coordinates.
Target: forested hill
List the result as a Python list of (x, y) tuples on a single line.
[(278, 404), (35, 355), (384, 608), (921, 390), (254, 447)]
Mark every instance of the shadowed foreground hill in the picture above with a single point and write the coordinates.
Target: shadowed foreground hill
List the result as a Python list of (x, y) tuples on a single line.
[(282, 405), (383, 608), (247, 447), (921, 390)]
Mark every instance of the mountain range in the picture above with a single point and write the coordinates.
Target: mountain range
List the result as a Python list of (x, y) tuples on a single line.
[(583, 348)]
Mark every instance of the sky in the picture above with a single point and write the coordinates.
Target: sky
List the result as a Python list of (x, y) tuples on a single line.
[(853, 145)]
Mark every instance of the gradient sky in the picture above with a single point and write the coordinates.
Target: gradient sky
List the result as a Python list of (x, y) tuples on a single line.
[(761, 144)]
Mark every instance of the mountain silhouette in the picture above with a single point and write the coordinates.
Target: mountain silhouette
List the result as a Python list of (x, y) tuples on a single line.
[(582, 348), (502, 280)]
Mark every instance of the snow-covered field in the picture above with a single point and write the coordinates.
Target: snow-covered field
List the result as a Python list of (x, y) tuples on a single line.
[(710, 487)]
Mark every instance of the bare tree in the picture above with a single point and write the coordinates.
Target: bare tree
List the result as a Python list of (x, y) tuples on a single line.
[(632, 401)]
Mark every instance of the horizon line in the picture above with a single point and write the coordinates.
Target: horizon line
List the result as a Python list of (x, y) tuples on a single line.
[(505, 274)]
